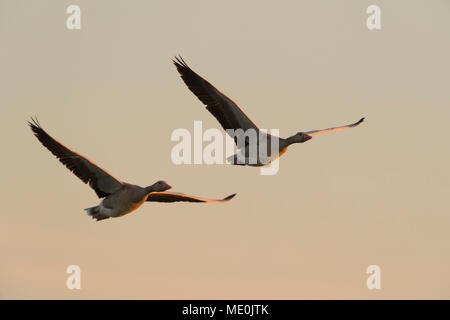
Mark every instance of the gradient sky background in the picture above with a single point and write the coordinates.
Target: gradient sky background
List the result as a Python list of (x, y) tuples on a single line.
[(377, 194)]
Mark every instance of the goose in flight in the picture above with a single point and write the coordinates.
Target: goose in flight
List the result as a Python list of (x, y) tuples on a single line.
[(120, 197), (239, 126)]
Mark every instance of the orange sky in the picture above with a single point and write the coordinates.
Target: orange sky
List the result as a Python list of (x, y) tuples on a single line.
[(376, 194)]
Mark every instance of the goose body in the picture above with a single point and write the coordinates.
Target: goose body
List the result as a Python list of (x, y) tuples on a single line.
[(125, 200), (260, 153), (120, 198), (236, 123)]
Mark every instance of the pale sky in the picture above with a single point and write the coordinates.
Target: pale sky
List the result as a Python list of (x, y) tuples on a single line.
[(373, 195)]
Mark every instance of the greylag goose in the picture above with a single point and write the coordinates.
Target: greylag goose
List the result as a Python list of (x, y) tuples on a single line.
[(237, 123), (120, 197)]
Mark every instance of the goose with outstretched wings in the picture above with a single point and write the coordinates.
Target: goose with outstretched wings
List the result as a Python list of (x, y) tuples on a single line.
[(248, 137), (119, 198)]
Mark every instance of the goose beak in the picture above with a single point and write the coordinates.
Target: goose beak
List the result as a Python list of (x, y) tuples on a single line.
[(166, 185), (307, 136)]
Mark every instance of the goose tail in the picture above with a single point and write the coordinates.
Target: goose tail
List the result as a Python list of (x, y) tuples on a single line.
[(95, 213), (92, 211)]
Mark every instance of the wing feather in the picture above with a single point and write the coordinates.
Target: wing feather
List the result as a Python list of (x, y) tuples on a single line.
[(176, 196), (311, 133), (102, 182), (225, 110)]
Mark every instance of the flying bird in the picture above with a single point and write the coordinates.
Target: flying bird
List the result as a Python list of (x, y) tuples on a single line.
[(239, 126), (120, 197)]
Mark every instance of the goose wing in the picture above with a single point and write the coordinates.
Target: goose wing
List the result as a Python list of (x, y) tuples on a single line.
[(335, 128), (225, 110), (175, 196), (102, 182)]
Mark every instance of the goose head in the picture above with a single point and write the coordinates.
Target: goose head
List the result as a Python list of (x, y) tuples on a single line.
[(160, 186), (301, 137)]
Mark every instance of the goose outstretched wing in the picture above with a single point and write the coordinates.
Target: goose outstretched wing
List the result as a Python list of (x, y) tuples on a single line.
[(225, 110), (175, 196), (102, 182), (313, 132)]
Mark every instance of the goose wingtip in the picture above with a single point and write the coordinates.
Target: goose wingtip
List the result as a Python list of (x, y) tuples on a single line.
[(231, 196), (179, 61), (33, 122)]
